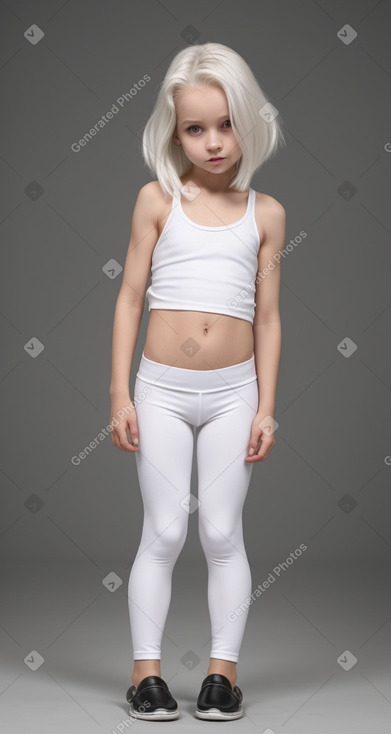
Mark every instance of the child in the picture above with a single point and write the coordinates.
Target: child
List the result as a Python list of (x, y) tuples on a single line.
[(209, 367)]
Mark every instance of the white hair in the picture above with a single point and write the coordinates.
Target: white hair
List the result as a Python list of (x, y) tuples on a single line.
[(254, 125)]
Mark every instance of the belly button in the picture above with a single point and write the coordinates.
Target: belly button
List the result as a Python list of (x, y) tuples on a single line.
[(205, 330)]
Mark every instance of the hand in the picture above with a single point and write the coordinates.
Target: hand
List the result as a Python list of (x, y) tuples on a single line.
[(123, 418), (262, 437)]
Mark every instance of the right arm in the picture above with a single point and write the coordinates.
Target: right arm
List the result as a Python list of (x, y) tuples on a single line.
[(129, 311)]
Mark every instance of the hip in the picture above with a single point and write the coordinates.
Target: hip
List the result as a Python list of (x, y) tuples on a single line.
[(196, 396), (183, 379)]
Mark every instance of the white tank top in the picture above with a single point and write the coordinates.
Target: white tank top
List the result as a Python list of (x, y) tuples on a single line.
[(199, 268)]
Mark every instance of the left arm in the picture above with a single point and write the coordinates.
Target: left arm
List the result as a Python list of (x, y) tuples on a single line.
[(267, 331)]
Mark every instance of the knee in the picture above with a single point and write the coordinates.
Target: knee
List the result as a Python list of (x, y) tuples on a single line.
[(169, 541), (217, 540)]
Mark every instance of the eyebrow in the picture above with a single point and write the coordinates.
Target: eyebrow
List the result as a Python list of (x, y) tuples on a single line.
[(222, 117)]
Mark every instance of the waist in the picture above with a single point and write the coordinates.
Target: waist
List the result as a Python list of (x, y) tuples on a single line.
[(197, 340), (189, 380)]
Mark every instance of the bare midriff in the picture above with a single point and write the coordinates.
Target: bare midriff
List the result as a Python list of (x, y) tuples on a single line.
[(198, 340)]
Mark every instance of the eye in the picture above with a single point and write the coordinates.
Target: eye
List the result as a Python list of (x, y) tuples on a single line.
[(191, 128)]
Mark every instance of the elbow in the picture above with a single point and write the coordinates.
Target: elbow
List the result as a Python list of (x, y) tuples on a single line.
[(272, 320), (131, 299)]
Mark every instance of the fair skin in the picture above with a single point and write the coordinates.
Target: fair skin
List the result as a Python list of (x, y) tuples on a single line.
[(224, 340)]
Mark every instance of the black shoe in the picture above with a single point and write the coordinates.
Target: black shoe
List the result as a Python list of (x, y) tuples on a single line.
[(217, 699), (152, 700)]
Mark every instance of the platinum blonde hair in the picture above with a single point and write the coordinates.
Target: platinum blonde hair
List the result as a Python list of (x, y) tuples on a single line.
[(253, 120)]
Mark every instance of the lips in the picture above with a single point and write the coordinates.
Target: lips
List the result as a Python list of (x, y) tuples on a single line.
[(219, 158)]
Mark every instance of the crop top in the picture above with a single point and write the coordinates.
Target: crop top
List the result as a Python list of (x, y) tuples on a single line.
[(199, 268)]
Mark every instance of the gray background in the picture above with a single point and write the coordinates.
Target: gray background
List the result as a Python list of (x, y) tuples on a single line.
[(326, 483)]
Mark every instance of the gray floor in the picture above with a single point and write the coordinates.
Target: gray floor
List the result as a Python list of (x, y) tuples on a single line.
[(288, 670)]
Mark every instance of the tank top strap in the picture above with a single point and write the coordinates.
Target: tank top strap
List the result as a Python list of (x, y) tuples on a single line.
[(251, 202), (176, 197)]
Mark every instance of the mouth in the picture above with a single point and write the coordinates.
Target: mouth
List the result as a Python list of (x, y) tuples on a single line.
[(216, 159)]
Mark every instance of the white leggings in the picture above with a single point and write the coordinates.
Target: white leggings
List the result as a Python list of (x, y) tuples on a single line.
[(221, 405)]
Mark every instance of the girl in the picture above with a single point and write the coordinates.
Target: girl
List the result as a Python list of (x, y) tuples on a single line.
[(209, 367)]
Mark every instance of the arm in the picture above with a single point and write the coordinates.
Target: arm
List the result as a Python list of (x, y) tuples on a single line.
[(267, 328), (129, 309)]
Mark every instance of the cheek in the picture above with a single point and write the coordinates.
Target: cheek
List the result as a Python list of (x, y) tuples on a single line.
[(192, 145), (233, 141)]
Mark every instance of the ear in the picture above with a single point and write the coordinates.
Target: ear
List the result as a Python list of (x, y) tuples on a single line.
[(175, 135)]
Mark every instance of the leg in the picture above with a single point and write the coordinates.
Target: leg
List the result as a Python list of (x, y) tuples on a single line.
[(224, 478), (164, 471)]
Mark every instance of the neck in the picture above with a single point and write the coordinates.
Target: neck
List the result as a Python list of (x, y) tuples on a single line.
[(212, 183)]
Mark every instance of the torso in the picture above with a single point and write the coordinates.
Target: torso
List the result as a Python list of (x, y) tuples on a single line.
[(218, 340)]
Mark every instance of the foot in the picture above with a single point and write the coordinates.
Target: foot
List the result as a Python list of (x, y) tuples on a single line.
[(151, 700), (218, 700)]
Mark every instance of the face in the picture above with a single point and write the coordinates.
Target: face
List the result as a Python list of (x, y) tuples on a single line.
[(204, 130)]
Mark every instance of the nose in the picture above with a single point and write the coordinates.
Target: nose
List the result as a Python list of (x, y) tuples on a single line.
[(213, 142)]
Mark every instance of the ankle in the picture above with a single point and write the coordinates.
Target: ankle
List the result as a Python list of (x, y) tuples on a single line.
[(136, 679), (137, 676), (232, 677)]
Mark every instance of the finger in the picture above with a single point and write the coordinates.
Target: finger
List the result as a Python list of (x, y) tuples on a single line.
[(126, 445), (114, 439), (129, 448), (255, 442), (254, 458), (133, 430), (264, 447)]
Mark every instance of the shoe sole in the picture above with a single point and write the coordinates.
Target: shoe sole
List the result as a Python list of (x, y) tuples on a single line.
[(158, 715), (217, 715)]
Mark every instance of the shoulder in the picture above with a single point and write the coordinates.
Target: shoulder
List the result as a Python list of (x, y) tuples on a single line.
[(269, 213), (151, 195), (269, 205)]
